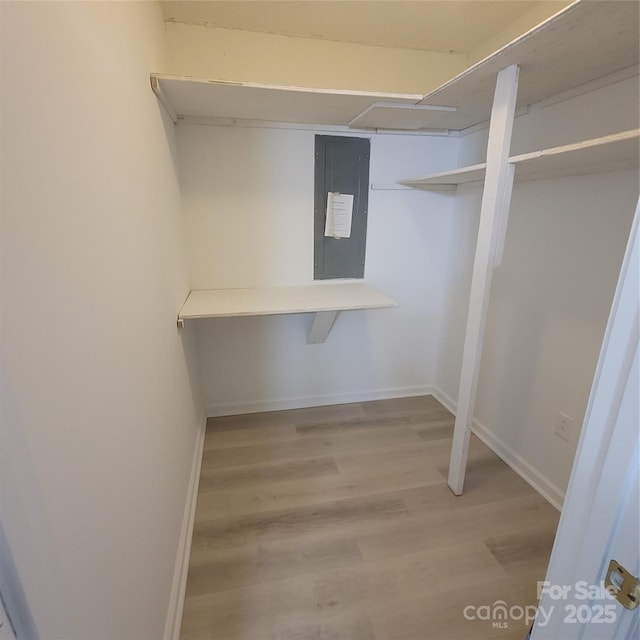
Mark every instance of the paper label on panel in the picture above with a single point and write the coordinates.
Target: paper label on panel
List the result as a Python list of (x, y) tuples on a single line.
[(339, 213)]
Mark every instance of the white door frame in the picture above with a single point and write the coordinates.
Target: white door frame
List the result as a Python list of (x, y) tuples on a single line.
[(606, 464)]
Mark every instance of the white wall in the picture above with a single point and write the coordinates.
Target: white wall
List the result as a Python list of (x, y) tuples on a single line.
[(248, 203), (551, 296), (245, 56), (539, 12), (99, 414)]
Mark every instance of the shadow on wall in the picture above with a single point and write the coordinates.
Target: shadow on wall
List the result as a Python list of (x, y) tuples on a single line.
[(12, 594), (27, 517), (245, 214), (192, 363)]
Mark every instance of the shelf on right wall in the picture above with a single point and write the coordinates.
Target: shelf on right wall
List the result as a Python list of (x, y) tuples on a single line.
[(608, 153)]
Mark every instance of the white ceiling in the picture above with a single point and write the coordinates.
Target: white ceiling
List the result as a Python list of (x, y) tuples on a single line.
[(456, 26)]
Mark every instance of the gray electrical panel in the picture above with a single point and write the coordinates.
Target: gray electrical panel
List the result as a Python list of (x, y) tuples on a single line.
[(341, 166)]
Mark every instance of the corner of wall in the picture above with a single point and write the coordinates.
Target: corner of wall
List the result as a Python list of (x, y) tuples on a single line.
[(547, 489), (13, 596), (531, 19), (245, 56)]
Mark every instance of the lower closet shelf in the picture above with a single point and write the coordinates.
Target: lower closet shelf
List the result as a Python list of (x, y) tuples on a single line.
[(325, 300)]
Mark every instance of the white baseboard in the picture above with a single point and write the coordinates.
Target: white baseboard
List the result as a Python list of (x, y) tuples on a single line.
[(282, 404), (178, 587), (524, 469), (547, 489)]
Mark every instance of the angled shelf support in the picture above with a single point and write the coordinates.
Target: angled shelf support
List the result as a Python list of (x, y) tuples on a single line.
[(322, 325), (158, 89)]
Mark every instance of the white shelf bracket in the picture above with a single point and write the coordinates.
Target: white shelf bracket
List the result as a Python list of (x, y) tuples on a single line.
[(496, 195), (322, 323), (164, 101)]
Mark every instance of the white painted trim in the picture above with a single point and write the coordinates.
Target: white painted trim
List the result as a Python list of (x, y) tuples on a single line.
[(173, 621), (188, 81), (282, 404), (213, 121), (587, 528), (525, 470), (604, 463), (418, 132), (217, 121), (538, 481)]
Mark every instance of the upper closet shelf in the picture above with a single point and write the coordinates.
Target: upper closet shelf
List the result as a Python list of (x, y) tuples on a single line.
[(609, 153), (577, 47), (325, 300), (198, 98)]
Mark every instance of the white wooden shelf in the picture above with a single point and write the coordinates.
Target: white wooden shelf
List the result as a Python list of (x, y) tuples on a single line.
[(325, 300), (200, 98), (576, 48), (448, 180), (608, 153), (579, 47)]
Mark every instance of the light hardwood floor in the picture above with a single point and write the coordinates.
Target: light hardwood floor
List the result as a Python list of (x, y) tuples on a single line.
[(336, 523)]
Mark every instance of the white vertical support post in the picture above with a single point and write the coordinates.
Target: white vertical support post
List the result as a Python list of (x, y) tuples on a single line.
[(494, 209), (503, 221)]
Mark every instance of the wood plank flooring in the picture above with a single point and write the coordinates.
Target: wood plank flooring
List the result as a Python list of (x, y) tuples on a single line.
[(336, 523)]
